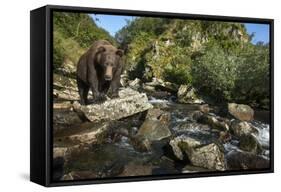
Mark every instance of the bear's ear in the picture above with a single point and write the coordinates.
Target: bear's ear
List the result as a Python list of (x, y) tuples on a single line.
[(101, 49), (120, 52)]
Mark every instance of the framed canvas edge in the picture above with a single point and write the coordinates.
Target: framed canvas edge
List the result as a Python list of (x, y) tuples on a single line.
[(49, 81)]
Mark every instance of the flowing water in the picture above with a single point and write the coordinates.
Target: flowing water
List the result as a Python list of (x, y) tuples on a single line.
[(107, 159)]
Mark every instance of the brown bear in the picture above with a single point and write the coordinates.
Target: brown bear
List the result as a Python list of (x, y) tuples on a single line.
[(99, 69)]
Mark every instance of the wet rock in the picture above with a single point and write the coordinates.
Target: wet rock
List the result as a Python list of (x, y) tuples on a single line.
[(100, 160), (153, 133), (215, 122), (240, 128), (154, 130), (128, 103), (141, 144), (158, 114), (187, 94), (241, 111), (225, 137), (196, 115), (204, 108), (182, 145), (250, 143), (209, 156), (237, 160), (86, 133), (135, 84)]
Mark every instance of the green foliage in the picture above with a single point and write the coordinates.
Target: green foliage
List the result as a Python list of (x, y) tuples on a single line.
[(216, 57), (73, 34), (242, 77)]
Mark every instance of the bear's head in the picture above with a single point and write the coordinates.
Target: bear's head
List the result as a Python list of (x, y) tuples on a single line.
[(108, 58)]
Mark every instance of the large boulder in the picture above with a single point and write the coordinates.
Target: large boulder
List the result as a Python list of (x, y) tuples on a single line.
[(154, 130), (182, 145), (128, 103), (241, 111), (209, 156), (187, 94)]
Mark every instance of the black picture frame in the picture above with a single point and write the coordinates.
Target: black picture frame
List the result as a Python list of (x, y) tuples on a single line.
[(41, 93)]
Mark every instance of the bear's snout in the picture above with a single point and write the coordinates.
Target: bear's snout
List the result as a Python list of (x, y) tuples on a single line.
[(108, 73)]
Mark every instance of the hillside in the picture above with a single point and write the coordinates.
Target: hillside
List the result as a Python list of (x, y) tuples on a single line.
[(73, 33), (215, 57)]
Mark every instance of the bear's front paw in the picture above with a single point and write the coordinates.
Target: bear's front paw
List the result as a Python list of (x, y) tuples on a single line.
[(99, 98), (114, 95)]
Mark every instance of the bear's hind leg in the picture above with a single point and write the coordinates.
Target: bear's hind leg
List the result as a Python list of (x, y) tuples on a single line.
[(83, 90)]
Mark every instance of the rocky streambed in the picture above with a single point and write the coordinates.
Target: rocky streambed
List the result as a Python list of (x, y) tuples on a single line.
[(152, 129)]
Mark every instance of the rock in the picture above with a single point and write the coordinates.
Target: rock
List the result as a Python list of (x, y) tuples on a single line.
[(65, 94), (249, 143), (193, 169), (66, 117), (128, 103), (240, 128), (215, 122), (60, 81), (225, 137), (153, 133), (237, 160), (141, 144), (59, 152), (209, 156), (186, 94), (100, 160), (124, 80), (196, 115), (154, 130), (63, 105), (86, 133), (148, 88), (160, 85), (183, 145), (158, 114), (136, 170), (204, 108), (79, 175), (68, 68), (241, 111), (135, 84)]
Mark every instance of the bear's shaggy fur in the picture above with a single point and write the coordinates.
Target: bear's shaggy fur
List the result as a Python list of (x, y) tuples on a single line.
[(99, 69)]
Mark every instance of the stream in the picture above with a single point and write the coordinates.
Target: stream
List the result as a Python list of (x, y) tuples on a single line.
[(119, 156)]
